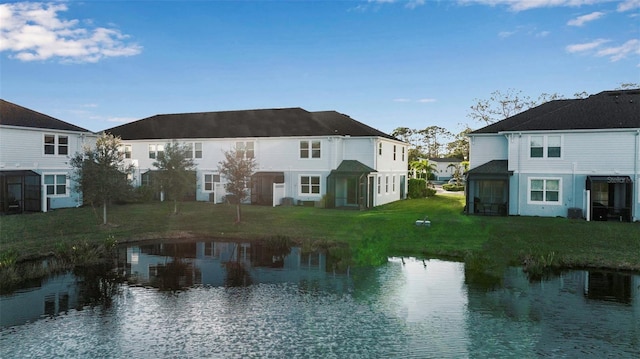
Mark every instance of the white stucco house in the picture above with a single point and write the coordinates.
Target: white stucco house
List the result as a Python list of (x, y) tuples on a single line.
[(568, 158), (304, 157), (444, 167), (35, 149)]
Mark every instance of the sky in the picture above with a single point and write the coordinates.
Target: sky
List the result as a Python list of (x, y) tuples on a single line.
[(386, 63)]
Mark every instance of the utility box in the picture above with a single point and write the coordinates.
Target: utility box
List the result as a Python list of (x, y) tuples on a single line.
[(575, 213)]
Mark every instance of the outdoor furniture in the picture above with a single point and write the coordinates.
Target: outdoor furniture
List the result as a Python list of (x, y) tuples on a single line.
[(423, 222)]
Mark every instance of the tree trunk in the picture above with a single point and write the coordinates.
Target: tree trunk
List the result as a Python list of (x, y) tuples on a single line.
[(175, 206), (104, 212), (238, 213)]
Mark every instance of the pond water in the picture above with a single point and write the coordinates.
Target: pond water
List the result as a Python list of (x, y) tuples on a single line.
[(230, 300)]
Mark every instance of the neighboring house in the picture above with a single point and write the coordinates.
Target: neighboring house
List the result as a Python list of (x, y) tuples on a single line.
[(35, 149), (312, 158), (444, 167), (568, 158)]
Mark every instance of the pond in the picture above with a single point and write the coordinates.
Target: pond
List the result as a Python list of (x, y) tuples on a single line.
[(237, 300)]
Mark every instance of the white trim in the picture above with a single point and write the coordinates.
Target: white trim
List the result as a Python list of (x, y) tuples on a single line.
[(310, 194), (67, 189), (544, 201), (545, 147)]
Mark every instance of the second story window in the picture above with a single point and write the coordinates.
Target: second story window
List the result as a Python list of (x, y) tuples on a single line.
[(380, 148), (155, 151), (194, 149), (402, 154), (545, 146), (394, 152), (56, 145), (245, 149), (125, 150), (309, 149)]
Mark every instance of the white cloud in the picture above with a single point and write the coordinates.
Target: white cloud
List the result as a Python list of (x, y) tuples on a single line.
[(412, 4), (629, 5), (427, 100), (505, 34), (581, 20), (522, 5), (34, 32), (620, 52), (121, 119), (586, 46)]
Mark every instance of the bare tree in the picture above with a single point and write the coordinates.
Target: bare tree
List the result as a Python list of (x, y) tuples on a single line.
[(501, 105), (237, 168)]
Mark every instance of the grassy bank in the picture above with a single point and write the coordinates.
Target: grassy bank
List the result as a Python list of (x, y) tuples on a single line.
[(384, 231)]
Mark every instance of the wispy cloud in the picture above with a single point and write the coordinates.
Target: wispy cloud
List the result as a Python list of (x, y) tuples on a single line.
[(629, 5), (35, 32), (522, 5), (614, 53), (631, 47), (422, 100), (581, 20), (121, 119), (587, 46)]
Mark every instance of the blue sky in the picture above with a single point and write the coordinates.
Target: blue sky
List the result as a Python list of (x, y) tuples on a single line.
[(98, 64)]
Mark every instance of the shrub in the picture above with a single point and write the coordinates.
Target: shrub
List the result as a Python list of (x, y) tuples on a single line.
[(417, 188), (452, 187)]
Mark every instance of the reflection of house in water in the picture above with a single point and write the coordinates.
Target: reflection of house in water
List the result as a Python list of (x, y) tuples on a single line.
[(204, 262), (608, 303), (53, 296)]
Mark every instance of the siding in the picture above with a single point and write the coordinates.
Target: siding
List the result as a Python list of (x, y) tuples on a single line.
[(485, 148)]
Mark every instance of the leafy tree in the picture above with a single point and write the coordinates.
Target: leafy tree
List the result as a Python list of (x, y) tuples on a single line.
[(176, 174), (101, 173), (432, 138), (423, 169), (237, 169), (459, 147)]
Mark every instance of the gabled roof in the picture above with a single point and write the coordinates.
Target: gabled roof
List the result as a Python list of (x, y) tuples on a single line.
[(491, 168), (15, 115), (606, 110), (353, 166), (284, 122)]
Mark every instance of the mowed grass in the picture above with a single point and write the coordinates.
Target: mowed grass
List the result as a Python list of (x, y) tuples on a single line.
[(387, 230)]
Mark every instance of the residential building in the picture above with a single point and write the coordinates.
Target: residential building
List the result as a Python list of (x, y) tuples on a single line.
[(35, 151), (311, 158), (445, 167), (567, 158)]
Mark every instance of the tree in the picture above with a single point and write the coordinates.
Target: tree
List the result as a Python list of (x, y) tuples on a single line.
[(422, 169), (432, 137), (459, 147), (502, 105), (176, 174), (101, 174), (237, 168)]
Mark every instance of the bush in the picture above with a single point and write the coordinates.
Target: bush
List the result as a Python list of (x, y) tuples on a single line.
[(418, 189), (452, 187)]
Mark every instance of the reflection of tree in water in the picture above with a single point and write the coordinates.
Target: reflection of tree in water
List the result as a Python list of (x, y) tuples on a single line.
[(97, 285), (237, 275), (174, 275)]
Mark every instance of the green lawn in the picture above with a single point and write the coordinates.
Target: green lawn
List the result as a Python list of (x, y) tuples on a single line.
[(387, 230)]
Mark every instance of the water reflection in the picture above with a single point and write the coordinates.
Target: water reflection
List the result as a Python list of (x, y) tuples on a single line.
[(248, 301)]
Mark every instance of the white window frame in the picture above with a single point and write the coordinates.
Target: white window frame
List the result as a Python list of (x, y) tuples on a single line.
[(194, 150), (56, 145), (395, 149), (379, 185), (310, 185), (386, 184), (212, 182), (545, 147), (157, 149), (310, 149), (544, 191), (393, 183), (248, 149), (55, 184)]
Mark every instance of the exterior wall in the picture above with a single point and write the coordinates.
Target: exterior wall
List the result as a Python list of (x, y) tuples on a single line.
[(283, 155), (391, 166), (444, 172), (22, 148), (583, 153), (484, 148)]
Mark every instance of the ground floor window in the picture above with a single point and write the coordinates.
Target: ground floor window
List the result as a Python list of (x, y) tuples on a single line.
[(209, 181), (310, 184), (544, 190), (56, 184)]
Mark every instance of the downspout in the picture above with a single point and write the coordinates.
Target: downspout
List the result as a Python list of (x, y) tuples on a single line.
[(519, 173), (635, 173)]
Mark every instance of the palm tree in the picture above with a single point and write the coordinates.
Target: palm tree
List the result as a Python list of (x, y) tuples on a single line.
[(422, 169)]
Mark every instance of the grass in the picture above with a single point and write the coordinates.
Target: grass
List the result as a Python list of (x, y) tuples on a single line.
[(387, 230)]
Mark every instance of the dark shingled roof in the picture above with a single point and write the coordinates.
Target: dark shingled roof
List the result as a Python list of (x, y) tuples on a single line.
[(14, 115), (491, 167), (353, 166), (606, 110), (284, 122)]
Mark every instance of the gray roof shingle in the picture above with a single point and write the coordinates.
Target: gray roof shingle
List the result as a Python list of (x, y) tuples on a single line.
[(15, 115), (605, 110), (284, 122)]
